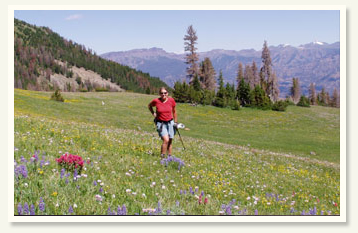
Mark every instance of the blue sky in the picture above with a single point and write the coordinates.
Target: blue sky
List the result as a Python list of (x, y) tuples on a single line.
[(121, 30)]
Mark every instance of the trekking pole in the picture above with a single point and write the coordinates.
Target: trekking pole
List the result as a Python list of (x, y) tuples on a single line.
[(181, 139)]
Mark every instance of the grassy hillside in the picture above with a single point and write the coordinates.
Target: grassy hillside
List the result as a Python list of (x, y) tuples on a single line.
[(274, 175), (299, 131)]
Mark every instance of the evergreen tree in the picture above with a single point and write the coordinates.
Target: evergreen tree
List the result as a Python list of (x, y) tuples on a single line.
[(249, 76), (266, 69), (255, 74), (275, 91), (295, 90), (260, 99), (335, 99), (220, 100), (304, 101), (196, 83), (322, 97), (192, 57), (244, 94), (240, 74), (207, 75), (312, 94)]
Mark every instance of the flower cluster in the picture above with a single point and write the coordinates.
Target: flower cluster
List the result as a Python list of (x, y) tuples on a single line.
[(70, 161), (173, 159)]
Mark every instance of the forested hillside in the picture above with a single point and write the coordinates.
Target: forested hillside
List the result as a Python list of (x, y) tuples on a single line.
[(41, 53)]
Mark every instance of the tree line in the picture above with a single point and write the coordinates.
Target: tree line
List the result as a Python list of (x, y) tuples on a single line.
[(255, 87), (37, 51)]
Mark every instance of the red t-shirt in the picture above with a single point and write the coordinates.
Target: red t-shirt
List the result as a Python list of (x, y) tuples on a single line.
[(164, 110)]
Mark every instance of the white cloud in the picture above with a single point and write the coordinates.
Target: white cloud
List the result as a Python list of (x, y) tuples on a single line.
[(74, 17)]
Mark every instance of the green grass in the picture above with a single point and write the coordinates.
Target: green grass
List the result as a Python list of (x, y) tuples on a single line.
[(275, 175)]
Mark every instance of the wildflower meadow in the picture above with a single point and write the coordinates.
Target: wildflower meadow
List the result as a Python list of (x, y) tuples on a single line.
[(98, 154)]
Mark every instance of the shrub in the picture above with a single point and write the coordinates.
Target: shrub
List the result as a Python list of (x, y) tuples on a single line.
[(280, 106), (304, 102), (57, 96)]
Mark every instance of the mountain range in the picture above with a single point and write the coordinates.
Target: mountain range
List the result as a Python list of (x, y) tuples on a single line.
[(316, 62)]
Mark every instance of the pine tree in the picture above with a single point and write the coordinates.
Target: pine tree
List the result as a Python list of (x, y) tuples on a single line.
[(335, 99), (207, 75), (275, 91), (192, 57), (323, 97), (255, 74), (312, 94), (260, 99), (220, 100), (196, 83), (240, 74), (295, 90), (266, 69), (249, 77), (243, 93), (268, 79)]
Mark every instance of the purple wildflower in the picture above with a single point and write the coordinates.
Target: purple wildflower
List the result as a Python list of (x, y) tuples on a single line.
[(181, 192), (168, 212), (196, 190), (19, 209), (42, 162), (228, 210), (124, 210), (191, 190), (119, 211), (23, 171), (177, 203), (42, 205), (202, 193), (109, 212), (256, 212), (66, 181), (101, 190), (94, 183), (26, 208), (62, 172), (23, 160), (159, 209), (70, 210), (32, 210), (75, 173)]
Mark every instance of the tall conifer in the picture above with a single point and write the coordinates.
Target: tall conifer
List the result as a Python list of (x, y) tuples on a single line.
[(192, 57)]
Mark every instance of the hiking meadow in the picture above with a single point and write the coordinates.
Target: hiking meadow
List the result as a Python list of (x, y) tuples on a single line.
[(246, 162)]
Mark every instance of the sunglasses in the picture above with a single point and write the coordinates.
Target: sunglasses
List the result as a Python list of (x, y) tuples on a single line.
[(163, 93)]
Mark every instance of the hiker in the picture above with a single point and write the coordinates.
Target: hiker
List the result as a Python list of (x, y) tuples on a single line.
[(163, 118)]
